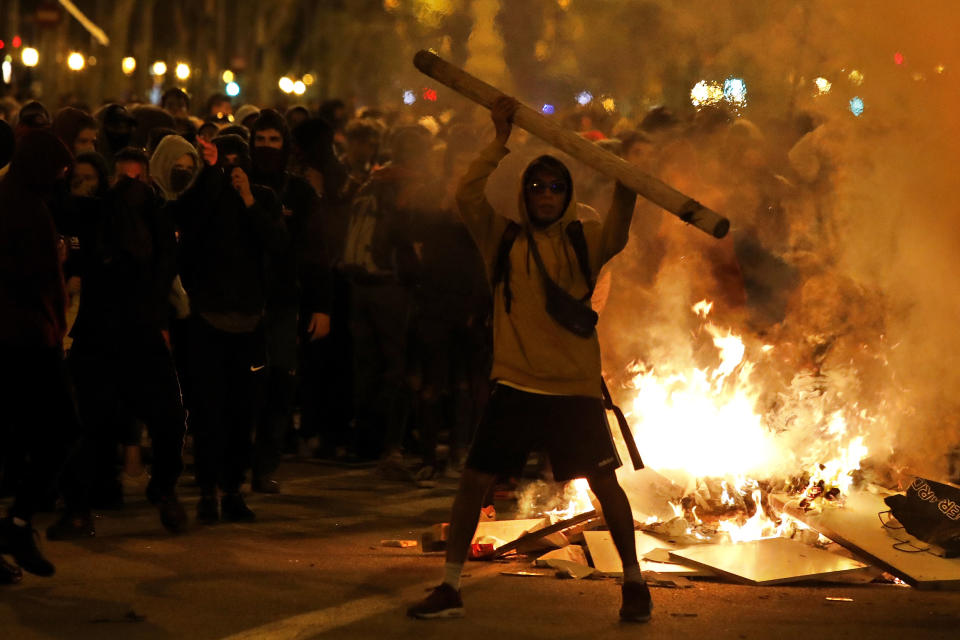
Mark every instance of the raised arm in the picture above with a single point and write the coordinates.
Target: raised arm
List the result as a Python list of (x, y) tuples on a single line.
[(478, 215), (616, 227)]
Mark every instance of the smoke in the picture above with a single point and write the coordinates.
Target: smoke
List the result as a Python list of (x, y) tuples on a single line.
[(846, 237)]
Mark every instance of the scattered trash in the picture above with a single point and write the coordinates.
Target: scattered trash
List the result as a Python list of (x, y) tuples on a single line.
[(525, 574), (400, 544), (830, 599)]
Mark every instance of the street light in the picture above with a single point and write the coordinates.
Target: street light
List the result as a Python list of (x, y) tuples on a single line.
[(183, 70), (30, 57), (299, 88), (233, 89), (227, 77), (286, 84), (159, 68), (75, 61), (129, 65)]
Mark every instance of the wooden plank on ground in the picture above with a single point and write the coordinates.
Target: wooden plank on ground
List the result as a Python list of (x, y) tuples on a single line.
[(581, 518), (857, 527), (768, 561)]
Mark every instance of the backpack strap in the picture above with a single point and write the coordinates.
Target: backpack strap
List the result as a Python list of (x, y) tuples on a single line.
[(501, 268), (579, 242)]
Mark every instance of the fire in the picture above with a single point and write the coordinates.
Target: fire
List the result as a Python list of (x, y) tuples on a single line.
[(695, 423)]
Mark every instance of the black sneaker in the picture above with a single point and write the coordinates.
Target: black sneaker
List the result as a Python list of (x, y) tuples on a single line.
[(173, 517), (9, 574), (636, 602), (235, 509), (443, 602), (208, 511), (21, 543), (72, 526)]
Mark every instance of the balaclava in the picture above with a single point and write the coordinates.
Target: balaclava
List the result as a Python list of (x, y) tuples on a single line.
[(269, 163), (117, 127), (232, 144)]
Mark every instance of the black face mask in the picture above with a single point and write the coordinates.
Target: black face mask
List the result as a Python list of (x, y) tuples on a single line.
[(118, 139), (269, 160), (180, 179)]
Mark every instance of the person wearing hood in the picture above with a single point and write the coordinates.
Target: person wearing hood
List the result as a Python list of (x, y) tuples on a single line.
[(121, 363), (298, 288), (116, 127), (247, 115), (39, 422), (76, 129), (546, 366), (228, 228)]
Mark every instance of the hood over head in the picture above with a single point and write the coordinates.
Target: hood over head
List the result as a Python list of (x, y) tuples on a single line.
[(69, 122), (161, 164), (245, 112), (39, 161), (117, 126), (148, 118), (32, 115), (232, 144), (267, 160), (552, 165)]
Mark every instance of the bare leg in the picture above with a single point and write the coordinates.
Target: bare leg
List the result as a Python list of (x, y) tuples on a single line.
[(466, 512), (617, 513)]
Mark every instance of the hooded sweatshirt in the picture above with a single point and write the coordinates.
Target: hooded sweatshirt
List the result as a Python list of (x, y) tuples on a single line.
[(69, 122), (32, 294), (170, 149), (531, 350)]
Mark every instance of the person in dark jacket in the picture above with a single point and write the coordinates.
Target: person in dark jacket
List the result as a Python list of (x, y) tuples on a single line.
[(120, 360), (116, 128), (39, 421), (228, 227), (298, 294)]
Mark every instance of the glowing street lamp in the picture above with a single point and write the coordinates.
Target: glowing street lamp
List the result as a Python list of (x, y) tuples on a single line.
[(286, 84), (159, 68), (227, 76), (75, 61), (30, 57), (129, 65), (233, 89), (182, 71), (299, 88)]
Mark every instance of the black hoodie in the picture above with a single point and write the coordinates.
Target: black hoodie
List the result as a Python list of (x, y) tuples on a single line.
[(32, 294), (300, 274), (224, 244)]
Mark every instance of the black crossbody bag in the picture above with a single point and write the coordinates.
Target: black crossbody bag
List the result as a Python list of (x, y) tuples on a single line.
[(573, 314)]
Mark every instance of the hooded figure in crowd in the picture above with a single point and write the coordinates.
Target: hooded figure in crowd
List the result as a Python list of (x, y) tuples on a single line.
[(39, 423), (121, 364), (76, 129), (298, 299), (174, 166), (32, 115), (116, 129), (228, 228)]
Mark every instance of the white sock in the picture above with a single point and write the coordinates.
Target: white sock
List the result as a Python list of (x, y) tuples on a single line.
[(18, 522), (632, 574), (451, 574)]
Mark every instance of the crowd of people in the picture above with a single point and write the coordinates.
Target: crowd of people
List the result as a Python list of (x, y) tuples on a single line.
[(253, 282)]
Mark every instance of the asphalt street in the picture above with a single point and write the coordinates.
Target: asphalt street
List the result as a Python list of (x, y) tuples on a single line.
[(313, 567)]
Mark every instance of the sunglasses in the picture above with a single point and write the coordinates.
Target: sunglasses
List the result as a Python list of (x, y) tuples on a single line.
[(540, 187)]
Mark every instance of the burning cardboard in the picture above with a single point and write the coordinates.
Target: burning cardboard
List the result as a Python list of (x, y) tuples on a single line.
[(606, 560), (857, 527), (768, 561)]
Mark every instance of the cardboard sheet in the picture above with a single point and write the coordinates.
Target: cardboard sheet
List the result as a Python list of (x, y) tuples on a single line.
[(506, 531), (606, 560), (857, 527), (769, 561)]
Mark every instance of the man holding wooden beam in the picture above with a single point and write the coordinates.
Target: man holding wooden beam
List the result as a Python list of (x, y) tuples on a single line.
[(547, 370)]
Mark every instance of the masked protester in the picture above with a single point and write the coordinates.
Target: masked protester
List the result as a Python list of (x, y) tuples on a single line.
[(298, 299), (546, 363), (117, 127), (39, 423), (228, 229), (120, 360)]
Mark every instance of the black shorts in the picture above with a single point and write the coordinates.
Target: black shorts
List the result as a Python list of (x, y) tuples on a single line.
[(572, 430)]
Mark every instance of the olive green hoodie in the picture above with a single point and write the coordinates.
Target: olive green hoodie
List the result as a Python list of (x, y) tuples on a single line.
[(530, 349)]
